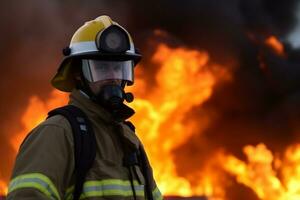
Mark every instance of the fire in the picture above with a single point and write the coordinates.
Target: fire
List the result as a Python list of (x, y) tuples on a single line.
[(259, 174), (160, 116), (36, 112), (183, 82), (291, 172), (275, 44), (3, 188)]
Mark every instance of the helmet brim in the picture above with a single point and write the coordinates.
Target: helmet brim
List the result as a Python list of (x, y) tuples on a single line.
[(108, 56), (63, 79)]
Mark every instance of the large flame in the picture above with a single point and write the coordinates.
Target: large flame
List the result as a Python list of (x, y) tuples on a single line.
[(184, 81), (262, 172), (36, 112)]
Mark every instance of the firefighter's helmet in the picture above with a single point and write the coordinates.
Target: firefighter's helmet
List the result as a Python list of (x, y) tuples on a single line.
[(100, 39)]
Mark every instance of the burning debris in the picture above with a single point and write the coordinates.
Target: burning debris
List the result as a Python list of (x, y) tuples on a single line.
[(217, 99), (276, 45)]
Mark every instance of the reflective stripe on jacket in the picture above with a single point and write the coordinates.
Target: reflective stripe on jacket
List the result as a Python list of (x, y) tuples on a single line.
[(37, 181), (45, 163), (103, 188)]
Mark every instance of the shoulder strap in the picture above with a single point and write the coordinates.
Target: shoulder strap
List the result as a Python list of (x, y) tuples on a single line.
[(84, 143), (145, 165), (147, 172)]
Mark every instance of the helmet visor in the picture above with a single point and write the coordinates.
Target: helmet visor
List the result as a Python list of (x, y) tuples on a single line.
[(98, 70)]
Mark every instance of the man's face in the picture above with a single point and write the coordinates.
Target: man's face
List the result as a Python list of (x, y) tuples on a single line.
[(106, 71), (99, 73)]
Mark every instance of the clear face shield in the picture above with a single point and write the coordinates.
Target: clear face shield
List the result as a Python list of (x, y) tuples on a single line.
[(97, 72), (101, 70)]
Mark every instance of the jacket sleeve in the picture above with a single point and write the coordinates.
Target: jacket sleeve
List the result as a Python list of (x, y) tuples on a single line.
[(44, 164)]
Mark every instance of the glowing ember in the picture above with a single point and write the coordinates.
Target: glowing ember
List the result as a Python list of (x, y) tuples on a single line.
[(275, 44)]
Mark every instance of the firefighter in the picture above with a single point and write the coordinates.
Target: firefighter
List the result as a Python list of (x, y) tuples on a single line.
[(98, 65)]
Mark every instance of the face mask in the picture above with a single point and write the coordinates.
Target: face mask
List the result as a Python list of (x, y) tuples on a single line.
[(106, 81), (113, 96)]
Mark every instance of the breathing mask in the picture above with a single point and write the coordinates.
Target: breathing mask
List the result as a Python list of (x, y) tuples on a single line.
[(106, 81)]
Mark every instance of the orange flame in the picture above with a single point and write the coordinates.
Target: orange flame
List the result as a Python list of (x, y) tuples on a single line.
[(275, 44), (184, 81), (260, 175), (36, 112), (3, 188)]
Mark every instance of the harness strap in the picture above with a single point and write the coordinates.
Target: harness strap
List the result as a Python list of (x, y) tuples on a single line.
[(147, 172), (84, 143)]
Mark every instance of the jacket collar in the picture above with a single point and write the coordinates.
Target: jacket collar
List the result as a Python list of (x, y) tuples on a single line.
[(82, 101), (93, 110)]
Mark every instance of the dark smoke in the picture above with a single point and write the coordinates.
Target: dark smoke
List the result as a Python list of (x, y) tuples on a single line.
[(258, 106), (32, 36)]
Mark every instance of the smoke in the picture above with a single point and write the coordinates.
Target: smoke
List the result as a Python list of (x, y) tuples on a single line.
[(294, 35), (32, 36), (259, 105)]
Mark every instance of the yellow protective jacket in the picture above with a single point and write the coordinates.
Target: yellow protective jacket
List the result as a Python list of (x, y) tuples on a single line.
[(44, 167)]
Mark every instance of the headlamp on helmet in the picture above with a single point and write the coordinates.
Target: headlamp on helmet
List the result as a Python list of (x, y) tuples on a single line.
[(113, 40)]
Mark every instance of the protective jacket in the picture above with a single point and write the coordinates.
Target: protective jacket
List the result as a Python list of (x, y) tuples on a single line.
[(44, 167)]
